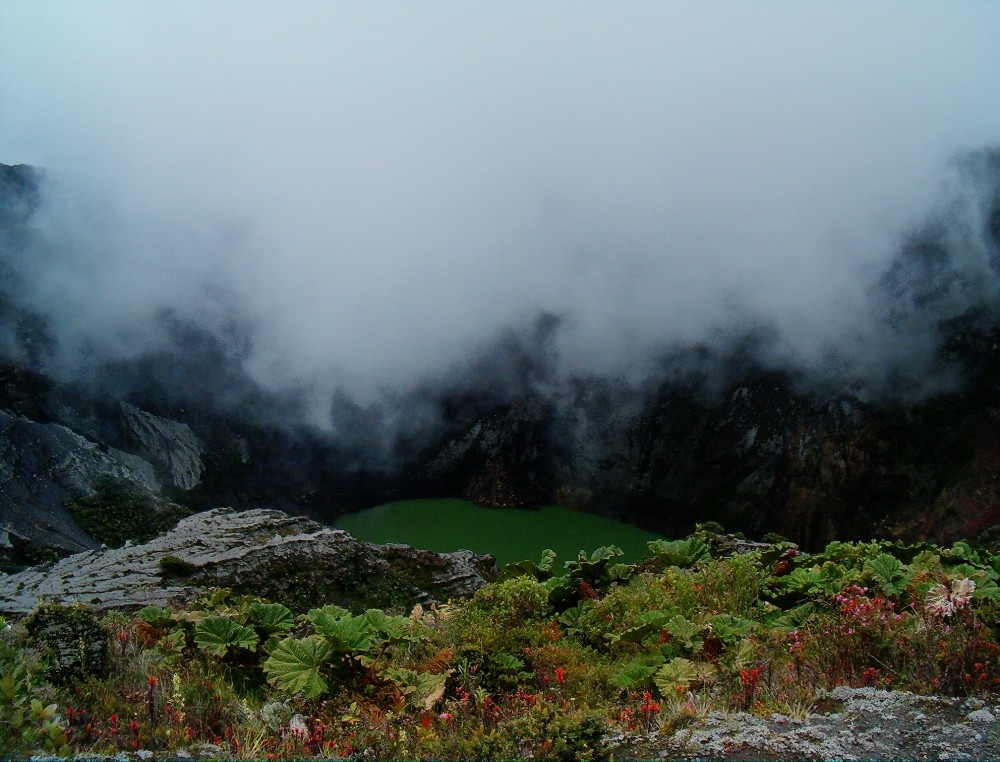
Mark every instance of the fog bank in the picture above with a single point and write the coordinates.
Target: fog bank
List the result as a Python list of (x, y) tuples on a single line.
[(364, 196)]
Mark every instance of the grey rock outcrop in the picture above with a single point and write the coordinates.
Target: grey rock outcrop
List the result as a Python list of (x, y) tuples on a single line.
[(42, 464), (168, 443), (259, 552)]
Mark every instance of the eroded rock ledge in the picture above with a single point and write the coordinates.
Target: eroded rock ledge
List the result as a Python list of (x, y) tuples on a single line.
[(260, 552)]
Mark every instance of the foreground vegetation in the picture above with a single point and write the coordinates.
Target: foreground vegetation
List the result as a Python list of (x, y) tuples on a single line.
[(545, 662)]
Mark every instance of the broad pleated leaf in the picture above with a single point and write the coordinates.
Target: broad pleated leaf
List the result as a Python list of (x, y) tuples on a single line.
[(680, 553), (506, 662), (887, 572), (637, 673), (294, 664), (650, 622), (805, 579), (218, 634), (730, 629), (271, 617), (685, 632), (676, 674), (345, 634), (392, 628), (157, 617)]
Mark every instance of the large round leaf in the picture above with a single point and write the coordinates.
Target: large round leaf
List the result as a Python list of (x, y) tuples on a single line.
[(218, 634), (293, 666), (271, 617)]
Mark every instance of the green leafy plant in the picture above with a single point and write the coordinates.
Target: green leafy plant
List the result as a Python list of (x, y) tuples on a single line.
[(680, 553), (220, 636), (294, 666), (115, 513), (508, 673)]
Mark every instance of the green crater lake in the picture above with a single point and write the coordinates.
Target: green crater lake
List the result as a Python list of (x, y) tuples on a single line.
[(509, 534)]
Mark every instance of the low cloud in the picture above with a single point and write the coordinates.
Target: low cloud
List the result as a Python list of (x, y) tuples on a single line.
[(372, 194)]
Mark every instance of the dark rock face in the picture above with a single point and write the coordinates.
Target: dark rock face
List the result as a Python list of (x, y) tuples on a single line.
[(19, 193), (168, 443), (501, 461), (258, 552)]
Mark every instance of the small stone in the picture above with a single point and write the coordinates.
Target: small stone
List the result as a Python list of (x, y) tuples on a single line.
[(980, 715), (298, 725), (144, 754)]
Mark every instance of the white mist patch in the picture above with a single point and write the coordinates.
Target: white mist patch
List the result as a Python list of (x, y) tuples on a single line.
[(379, 190)]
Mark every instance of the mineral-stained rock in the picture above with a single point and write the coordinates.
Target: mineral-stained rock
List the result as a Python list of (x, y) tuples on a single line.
[(259, 552)]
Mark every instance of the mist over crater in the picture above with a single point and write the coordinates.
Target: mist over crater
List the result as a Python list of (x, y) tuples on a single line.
[(356, 212)]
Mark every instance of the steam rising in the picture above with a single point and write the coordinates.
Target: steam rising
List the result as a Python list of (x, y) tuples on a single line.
[(362, 196)]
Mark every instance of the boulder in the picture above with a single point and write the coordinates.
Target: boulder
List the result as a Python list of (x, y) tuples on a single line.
[(261, 552)]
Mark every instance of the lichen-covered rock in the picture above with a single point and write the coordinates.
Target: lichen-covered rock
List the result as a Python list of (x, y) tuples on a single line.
[(260, 552)]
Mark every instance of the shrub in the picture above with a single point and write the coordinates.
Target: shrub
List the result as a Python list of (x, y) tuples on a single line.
[(75, 639), (116, 513), (172, 566)]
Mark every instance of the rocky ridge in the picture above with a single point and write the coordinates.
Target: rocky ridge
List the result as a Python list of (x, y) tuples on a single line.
[(257, 552)]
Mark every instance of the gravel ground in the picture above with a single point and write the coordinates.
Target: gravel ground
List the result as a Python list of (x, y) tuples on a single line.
[(860, 724)]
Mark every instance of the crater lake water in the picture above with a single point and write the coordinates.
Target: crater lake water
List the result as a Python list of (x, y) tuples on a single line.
[(511, 535)]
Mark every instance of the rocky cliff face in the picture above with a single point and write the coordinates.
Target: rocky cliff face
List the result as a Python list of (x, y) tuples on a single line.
[(170, 444), (763, 457)]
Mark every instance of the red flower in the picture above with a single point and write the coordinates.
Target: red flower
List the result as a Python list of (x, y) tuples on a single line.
[(152, 681), (560, 675)]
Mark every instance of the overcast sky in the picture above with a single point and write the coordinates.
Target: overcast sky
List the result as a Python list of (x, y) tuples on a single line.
[(382, 187)]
